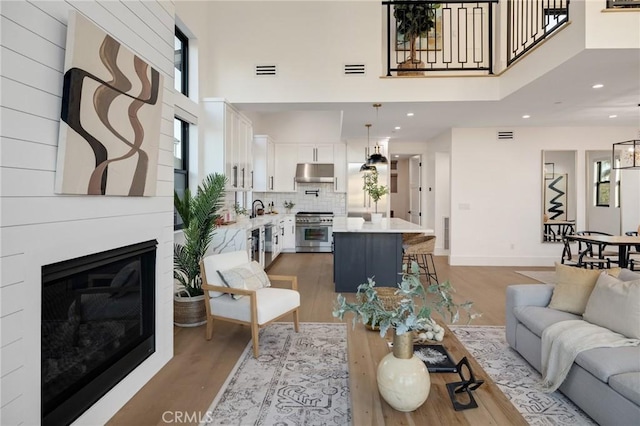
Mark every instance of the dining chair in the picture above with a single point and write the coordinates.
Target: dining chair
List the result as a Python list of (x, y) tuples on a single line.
[(634, 251), (582, 259), (248, 303), (597, 250)]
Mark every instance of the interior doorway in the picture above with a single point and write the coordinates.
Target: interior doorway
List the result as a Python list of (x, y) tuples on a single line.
[(405, 187)]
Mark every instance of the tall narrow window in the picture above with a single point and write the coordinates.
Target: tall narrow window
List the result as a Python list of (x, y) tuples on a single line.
[(603, 183), (180, 163), (181, 60)]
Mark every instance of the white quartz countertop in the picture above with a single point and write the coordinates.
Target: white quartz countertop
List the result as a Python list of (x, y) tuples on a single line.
[(387, 225), (255, 222)]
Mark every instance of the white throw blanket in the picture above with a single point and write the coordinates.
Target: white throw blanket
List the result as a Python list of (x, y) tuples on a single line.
[(564, 340)]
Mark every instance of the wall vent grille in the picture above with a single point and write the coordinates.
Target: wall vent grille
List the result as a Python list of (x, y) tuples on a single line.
[(505, 135), (266, 70), (355, 69), (446, 233)]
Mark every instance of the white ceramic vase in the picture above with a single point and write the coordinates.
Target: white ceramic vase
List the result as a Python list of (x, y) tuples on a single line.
[(403, 379), (376, 217)]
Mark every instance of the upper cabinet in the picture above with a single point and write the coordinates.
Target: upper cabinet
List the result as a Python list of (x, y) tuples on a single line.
[(228, 144), (340, 167), (264, 156), (315, 153), (285, 164)]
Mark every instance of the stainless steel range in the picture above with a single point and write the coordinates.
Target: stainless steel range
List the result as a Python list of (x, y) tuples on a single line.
[(314, 232)]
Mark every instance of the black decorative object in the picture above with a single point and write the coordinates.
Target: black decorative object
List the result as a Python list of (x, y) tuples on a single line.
[(628, 154), (468, 384), (312, 192), (436, 358)]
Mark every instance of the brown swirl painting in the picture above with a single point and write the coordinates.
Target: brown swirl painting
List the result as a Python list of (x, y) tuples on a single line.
[(110, 119)]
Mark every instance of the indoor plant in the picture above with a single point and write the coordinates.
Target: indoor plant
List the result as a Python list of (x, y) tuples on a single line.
[(403, 380), (288, 205), (375, 191), (199, 214), (414, 21)]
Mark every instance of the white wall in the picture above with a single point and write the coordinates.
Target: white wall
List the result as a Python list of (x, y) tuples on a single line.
[(610, 28), (496, 191), (400, 199), (39, 227)]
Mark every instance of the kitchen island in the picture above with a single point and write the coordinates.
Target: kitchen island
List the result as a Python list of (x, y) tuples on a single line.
[(369, 250)]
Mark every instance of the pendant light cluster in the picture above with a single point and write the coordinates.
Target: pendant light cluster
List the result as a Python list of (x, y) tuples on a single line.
[(376, 157), (366, 167)]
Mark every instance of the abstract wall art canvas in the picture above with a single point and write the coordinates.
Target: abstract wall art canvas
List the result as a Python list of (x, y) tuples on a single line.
[(555, 196), (110, 119)]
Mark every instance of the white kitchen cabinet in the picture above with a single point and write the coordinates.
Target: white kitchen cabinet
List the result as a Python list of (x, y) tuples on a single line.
[(264, 154), (315, 153), (228, 143), (285, 168), (289, 234), (340, 167), (358, 151)]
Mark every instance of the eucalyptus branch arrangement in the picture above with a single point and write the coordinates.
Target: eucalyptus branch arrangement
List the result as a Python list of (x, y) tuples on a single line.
[(288, 204), (413, 309)]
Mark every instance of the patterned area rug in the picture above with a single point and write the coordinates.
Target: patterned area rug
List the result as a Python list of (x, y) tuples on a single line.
[(517, 379), (298, 379), (547, 277)]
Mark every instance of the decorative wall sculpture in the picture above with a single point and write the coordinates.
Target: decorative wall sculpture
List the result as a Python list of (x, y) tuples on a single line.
[(110, 120)]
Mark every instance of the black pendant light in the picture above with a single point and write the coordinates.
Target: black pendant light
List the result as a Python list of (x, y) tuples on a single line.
[(376, 157), (366, 167)]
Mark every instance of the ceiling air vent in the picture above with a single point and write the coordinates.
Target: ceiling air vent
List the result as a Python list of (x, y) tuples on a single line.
[(505, 135), (354, 69), (266, 71)]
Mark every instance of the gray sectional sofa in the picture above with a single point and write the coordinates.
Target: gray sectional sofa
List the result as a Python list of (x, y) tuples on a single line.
[(603, 382)]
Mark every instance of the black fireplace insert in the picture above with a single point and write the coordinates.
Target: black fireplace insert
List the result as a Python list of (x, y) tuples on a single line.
[(98, 325)]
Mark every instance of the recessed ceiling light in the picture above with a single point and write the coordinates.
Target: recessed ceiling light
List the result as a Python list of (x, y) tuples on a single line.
[(526, 116), (598, 86), (396, 156), (409, 114), (397, 127), (612, 116)]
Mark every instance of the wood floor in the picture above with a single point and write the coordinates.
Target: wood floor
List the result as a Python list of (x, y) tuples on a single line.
[(190, 381)]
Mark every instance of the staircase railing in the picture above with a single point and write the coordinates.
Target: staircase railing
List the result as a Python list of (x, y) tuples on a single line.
[(445, 35), (529, 22)]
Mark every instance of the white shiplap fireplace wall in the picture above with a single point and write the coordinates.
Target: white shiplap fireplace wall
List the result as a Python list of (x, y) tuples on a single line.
[(39, 227)]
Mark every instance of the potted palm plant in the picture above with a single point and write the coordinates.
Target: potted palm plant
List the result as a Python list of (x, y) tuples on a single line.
[(414, 20), (199, 214), (376, 191)]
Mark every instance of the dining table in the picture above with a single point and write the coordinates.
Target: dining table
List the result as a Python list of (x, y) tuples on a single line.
[(623, 242)]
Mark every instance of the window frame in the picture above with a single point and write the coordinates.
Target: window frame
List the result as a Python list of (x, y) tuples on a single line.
[(184, 141), (184, 70), (600, 182)]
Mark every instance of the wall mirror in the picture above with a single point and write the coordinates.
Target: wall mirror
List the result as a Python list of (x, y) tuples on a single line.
[(559, 196), (602, 193)]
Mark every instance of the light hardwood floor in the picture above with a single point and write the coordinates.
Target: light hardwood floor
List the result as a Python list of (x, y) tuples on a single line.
[(191, 379)]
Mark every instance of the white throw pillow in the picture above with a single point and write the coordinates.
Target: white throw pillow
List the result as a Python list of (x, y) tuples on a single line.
[(615, 305), (249, 276)]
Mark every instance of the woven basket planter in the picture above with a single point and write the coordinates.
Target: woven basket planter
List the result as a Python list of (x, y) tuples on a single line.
[(389, 301), (189, 311)]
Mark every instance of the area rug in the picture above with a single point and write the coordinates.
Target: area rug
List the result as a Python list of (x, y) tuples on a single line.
[(547, 277), (517, 379), (298, 379)]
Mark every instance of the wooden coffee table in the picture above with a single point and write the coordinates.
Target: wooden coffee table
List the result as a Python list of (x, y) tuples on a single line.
[(366, 348)]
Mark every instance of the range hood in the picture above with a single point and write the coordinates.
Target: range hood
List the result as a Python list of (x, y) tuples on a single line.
[(314, 172)]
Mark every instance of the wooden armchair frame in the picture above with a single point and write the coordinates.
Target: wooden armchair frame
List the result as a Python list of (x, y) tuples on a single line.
[(252, 295)]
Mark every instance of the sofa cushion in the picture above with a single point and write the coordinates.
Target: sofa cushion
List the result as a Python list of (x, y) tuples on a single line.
[(537, 318), (573, 288), (615, 305), (628, 385), (627, 275), (606, 362)]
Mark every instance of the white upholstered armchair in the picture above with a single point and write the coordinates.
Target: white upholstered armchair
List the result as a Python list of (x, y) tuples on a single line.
[(237, 290)]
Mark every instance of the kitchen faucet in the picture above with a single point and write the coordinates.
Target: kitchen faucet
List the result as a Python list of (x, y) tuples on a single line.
[(253, 207)]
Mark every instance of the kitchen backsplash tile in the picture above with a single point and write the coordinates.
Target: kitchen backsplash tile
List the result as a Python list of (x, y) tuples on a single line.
[(326, 201)]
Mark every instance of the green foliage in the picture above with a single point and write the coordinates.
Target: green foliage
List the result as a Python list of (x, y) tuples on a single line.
[(199, 214), (375, 190), (288, 204), (414, 21), (240, 210), (413, 311)]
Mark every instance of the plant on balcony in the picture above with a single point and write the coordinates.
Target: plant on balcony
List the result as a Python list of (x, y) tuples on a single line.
[(414, 20)]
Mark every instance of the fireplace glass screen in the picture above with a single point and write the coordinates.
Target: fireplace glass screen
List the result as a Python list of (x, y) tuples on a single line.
[(97, 326)]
